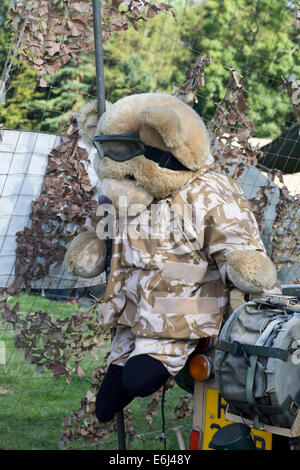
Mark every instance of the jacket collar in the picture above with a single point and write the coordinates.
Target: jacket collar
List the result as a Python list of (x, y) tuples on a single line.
[(209, 164)]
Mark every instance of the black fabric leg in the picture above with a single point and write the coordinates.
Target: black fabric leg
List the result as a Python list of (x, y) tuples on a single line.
[(143, 375), (112, 396)]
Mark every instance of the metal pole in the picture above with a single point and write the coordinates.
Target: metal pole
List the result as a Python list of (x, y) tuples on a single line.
[(99, 57), (121, 430), (101, 110)]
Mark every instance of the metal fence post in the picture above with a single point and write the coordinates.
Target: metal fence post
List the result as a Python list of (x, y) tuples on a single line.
[(101, 109), (99, 57)]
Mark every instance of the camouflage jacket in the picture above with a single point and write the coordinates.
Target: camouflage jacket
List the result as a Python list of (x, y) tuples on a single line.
[(168, 277)]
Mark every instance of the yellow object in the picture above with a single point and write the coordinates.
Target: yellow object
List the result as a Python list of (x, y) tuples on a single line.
[(215, 418)]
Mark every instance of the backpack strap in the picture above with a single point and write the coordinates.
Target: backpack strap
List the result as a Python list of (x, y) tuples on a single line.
[(239, 349)]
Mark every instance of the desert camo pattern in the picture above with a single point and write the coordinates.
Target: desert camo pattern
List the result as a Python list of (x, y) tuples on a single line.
[(167, 286)]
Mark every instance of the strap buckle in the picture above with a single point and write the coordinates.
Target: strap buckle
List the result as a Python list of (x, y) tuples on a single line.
[(237, 348)]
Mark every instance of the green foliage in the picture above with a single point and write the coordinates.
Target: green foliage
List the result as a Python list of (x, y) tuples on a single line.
[(257, 38), (22, 87), (68, 90), (4, 33), (20, 112), (33, 406)]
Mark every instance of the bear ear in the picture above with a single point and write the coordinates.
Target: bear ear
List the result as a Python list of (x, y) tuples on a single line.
[(167, 123), (88, 120)]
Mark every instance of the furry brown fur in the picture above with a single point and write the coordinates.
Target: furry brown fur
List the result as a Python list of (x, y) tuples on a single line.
[(86, 256), (164, 122), (161, 120), (254, 269), (148, 175)]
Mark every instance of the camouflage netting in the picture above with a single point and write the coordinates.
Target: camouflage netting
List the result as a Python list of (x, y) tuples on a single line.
[(66, 201), (38, 26)]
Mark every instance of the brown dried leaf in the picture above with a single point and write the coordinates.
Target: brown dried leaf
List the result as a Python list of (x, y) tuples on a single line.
[(53, 32), (193, 80), (292, 87)]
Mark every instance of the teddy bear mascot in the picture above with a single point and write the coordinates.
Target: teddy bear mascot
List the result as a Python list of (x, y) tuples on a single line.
[(186, 235)]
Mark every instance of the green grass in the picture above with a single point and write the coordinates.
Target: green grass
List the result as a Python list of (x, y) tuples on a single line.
[(33, 406)]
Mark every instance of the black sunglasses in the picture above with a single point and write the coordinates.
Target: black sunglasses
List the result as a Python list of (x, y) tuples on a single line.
[(123, 147), (119, 147)]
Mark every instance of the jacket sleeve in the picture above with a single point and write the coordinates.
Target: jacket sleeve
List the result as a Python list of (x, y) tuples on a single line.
[(231, 226)]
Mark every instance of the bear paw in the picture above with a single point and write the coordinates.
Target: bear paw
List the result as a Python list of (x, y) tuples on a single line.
[(250, 271), (85, 256)]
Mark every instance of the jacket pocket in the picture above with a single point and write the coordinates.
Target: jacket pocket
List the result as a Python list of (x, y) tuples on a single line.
[(186, 305), (184, 271), (180, 318)]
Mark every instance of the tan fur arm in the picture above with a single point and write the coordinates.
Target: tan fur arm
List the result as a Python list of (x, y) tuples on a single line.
[(250, 271), (85, 256)]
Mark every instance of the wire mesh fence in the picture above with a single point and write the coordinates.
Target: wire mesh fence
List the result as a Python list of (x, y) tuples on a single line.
[(236, 62)]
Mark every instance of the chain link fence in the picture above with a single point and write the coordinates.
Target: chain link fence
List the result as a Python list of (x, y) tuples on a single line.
[(236, 62)]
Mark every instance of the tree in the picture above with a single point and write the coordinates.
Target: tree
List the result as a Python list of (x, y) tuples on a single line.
[(4, 32), (22, 86), (67, 91), (19, 111), (258, 39), (71, 87), (147, 60)]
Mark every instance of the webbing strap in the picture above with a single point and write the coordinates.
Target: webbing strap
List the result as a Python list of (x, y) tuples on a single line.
[(277, 305), (280, 409), (262, 339), (238, 349), (250, 380)]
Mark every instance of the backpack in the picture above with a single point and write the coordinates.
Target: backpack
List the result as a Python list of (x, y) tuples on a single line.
[(257, 362)]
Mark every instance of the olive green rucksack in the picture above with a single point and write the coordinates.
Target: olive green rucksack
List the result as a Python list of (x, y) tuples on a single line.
[(257, 362)]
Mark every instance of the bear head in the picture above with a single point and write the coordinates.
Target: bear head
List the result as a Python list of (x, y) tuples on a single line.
[(174, 146)]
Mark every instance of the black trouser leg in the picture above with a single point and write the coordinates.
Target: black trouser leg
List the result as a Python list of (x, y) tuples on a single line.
[(141, 376), (112, 396), (144, 375)]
